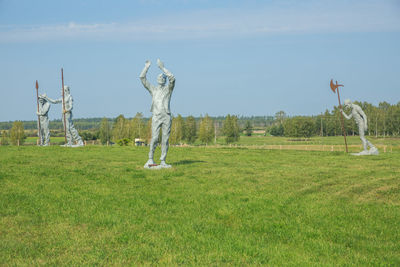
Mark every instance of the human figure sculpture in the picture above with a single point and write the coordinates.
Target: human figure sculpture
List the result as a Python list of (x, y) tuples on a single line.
[(71, 132), (361, 120), (44, 132), (160, 107)]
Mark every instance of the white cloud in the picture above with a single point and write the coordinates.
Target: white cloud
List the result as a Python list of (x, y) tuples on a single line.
[(361, 17)]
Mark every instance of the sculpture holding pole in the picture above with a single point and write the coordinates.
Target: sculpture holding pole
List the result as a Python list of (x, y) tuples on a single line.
[(71, 135), (335, 88), (63, 103), (37, 101)]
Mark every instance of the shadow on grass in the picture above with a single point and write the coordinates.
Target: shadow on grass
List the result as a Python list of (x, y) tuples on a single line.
[(185, 162)]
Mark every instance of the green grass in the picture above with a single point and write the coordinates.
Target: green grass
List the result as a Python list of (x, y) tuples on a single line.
[(331, 140), (217, 206)]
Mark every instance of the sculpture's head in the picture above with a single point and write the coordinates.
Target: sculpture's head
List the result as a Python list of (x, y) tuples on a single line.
[(347, 103), (66, 89), (161, 79), (42, 98)]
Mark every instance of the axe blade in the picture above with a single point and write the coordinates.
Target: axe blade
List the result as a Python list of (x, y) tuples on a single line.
[(333, 86), (37, 85)]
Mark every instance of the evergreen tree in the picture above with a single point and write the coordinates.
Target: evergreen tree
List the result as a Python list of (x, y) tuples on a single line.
[(17, 134), (190, 130), (105, 131), (207, 130)]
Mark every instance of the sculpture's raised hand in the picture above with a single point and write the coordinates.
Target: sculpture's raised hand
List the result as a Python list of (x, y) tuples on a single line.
[(147, 64), (160, 64)]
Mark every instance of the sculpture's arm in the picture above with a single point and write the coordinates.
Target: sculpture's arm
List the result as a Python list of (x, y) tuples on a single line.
[(170, 76), (345, 115), (364, 116), (143, 78), (53, 101)]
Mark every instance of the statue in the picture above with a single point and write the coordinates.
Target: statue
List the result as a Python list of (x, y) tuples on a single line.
[(361, 120), (160, 107), (44, 132), (71, 132)]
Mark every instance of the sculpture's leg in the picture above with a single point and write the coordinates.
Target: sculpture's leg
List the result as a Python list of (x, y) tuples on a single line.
[(362, 137), (45, 132), (68, 128), (166, 130), (155, 131), (75, 135), (72, 133), (369, 144)]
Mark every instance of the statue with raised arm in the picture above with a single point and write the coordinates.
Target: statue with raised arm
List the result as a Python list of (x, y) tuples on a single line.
[(71, 132), (44, 132), (160, 107), (361, 120)]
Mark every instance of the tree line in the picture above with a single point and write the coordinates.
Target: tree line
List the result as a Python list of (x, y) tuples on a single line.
[(124, 131), (183, 130), (383, 120)]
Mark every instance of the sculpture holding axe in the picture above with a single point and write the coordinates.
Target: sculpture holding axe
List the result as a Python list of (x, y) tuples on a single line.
[(335, 88), (361, 120)]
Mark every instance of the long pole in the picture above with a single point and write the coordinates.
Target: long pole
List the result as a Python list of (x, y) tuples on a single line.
[(37, 100), (341, 117), (63, 103)]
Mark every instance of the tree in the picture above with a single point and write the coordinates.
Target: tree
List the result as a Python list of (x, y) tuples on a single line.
[(248, 129), (17, 134), (119, 129), (276, 130), (299, 126), (148, 131), (231, 129), (190, 130), (105, 131), (4, 138), (280, 116), (177, 130), (137, 127), (207, 130)]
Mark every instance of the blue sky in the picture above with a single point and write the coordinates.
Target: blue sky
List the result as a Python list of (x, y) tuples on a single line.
[(239, 57)]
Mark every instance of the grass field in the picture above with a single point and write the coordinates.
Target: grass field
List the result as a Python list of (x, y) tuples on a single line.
[(96, 205)]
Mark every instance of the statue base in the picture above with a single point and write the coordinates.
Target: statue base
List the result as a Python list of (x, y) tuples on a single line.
[(157, 167), (77, 145), (371, 151), (151, 165)]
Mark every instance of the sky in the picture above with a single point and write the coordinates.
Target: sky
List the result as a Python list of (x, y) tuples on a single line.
[(248, 57)]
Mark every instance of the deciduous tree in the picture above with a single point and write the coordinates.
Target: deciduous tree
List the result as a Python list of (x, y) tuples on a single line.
[(17, 134)]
